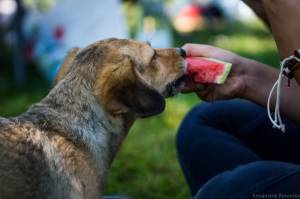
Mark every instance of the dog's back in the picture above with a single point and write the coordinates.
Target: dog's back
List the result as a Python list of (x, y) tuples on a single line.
[(37, 163), (23, 168)]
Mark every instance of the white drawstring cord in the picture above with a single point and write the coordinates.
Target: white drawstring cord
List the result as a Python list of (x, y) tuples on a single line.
[(277, 121)]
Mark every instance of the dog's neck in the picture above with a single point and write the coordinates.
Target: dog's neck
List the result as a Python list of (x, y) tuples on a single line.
[(75, 109)]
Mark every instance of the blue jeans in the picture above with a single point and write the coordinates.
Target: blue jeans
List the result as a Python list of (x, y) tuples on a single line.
[(228, 149)]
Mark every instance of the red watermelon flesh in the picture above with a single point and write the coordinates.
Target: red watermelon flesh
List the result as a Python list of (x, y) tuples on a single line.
[(207, 70)]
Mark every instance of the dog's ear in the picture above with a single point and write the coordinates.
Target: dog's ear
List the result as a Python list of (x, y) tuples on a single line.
[(129, 92), (66, 65), (140, 98)]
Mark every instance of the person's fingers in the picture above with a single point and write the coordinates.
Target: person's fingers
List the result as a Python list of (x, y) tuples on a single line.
[(207, 93), (200, 50), (197, 50), (188, 88), (191, 86), (201, 87)]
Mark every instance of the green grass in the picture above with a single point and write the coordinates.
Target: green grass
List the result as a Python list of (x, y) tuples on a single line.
[(147, 166)]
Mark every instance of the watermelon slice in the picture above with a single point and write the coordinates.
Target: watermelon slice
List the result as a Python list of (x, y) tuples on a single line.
[(207, 70)]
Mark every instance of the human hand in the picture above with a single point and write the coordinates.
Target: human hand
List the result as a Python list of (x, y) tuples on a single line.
[(235, 84)]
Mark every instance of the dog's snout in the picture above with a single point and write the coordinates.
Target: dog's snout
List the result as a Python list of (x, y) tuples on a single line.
[(182, 52)]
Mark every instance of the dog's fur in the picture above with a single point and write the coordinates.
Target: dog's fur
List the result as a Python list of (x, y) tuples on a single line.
[(62, 146)]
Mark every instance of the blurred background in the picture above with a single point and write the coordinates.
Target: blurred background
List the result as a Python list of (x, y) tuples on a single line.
[(36, 34)]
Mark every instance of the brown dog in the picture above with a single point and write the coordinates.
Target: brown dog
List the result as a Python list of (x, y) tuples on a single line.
[(62, 147)]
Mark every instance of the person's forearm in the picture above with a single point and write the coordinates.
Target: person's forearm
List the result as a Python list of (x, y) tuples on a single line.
[(286, 42), (284, 18), (259, 80), (257, 7)]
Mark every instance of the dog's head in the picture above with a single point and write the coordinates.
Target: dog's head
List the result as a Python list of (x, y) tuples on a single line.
[(129, 76)]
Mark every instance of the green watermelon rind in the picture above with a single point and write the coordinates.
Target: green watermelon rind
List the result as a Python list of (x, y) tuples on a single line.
[(222, 78)]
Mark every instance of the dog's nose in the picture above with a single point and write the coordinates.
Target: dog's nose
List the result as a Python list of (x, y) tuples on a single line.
[(182, 52)]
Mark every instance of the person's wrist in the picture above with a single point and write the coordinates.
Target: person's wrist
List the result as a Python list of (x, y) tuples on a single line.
[(250, 79), (258, 79), (245, 73)]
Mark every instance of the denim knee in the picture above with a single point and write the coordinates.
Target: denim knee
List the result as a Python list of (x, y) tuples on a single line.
[(195, 118), (235, 117)]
